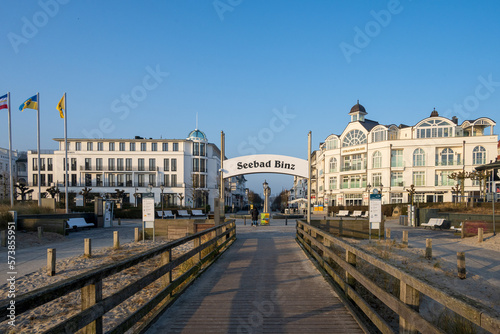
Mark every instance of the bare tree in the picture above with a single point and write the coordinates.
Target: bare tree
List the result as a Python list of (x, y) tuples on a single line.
[(85, 193), (53, 191), (23, 191)]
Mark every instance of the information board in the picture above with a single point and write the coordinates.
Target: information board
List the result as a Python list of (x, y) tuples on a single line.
[(148, 209), (375, 210)]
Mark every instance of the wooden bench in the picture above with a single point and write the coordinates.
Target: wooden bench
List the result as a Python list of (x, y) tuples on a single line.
[(197, 213), (343, 213), (434, 222), (168, 214), (159, 213), (75, 223), (183, 213), (357, 214), (366, 214)]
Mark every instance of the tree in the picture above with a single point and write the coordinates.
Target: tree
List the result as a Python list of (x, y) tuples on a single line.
[(23, 191), (255, 199), (85, 192), (181, 197), (119, 194), (53, 191), (481, 176), (460, 178)]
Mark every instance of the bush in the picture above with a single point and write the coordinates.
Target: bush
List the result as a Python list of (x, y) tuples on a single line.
[(131, 213)]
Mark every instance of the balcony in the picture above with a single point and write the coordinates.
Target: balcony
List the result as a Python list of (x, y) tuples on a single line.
[(119, 169), (397, 184), (357, 167), (449, 162)]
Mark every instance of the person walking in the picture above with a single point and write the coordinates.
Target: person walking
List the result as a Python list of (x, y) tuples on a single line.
[(255, 216)]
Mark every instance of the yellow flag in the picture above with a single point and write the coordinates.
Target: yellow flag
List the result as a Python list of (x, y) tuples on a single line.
[(60, 106)]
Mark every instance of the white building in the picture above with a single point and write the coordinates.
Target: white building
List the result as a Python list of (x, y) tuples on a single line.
[(186, 168), (393, 157)]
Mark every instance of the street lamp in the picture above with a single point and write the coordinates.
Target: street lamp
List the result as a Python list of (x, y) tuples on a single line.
[(266, 194), (150, 188), (368, 187), (135, 195), (161, 188)]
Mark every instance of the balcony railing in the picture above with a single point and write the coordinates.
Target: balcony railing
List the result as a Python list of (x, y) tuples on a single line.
[(353, 168), (397, 184), (449, 162), (119, 169)]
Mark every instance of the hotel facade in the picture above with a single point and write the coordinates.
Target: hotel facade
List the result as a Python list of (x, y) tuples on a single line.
[(186, 169), (390, 158)]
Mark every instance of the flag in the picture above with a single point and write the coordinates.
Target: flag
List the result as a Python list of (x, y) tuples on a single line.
[(3, 102), (30, 103), (60, 106)]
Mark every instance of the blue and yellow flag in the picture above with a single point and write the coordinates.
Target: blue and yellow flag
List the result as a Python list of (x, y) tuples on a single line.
[(31, 103), (60, 106)]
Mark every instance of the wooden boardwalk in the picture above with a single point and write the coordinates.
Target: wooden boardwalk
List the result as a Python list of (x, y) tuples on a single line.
[(263, 284)]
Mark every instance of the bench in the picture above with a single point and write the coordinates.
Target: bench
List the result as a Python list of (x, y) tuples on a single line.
[(365, 215), (168, 214), (183, 213), (434, 222), (197, 213), (343, 213), (75, 223), (458, 229), (356, 214), (159, 213)]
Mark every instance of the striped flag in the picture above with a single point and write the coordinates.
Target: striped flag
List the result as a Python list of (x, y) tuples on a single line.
[(3, 102)]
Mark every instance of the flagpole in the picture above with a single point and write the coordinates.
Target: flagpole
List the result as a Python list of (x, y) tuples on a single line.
[(38, 148), (11, 179), (66, 164)]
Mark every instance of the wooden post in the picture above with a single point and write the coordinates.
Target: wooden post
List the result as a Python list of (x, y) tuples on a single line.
[(462, 231), (165, 259), (461, 265), (411, 297), (428, 249), (3, 238), (40, 232), (51, 261), (137, 237), (351, 259), (87, 248), (196, 243), (116, 240), (480, 234), (92, 294), (387, 233), (119, 221), (405, 238), (244, 220)]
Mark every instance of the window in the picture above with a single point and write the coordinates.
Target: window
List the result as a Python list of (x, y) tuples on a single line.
[(397, 179), (354, 137), (354, 162), (152, 180), (353, 199), (35, 164), (42, 180), (164, 147), (140, 180), (173, 180), (379, 135), (376, 179), (98, 180), (175, 147), (78, 146), (203, 151), (333, 183), (196, 148), (132, 146), (111, 180), (128, 164), (154, 147), (111, 164), (397, 198), (35, 179), (141, 164), (88, 180), (166, 165), (418, 158), (419, 179), (333, 165), (119, 180), (478, 155), (435, 128), (111, 146), (49, 164), (397, 158), (128, 180), (203, 181), (90, 146), (173, 165), (377, 160), (152, 164), (143, 147), (73, 180), (443, 178), (88, 164), (203, 165), (332, 144), (100, 146), (50, 179), (42, 163), (446, 157), (196, 165), (73, 163), (119, 164), (166, 180), (122, 146), (98, 163)]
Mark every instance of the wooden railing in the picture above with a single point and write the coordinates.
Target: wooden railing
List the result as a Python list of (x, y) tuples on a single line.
[(94, 306), (316, 241)]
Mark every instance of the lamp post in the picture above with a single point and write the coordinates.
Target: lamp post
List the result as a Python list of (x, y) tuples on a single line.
[(265, 185), (411, 213), (135, 195), (368, 187), (162, 187)]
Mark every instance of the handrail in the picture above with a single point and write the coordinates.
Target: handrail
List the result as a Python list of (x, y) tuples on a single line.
[(480, 315), (224, 234)]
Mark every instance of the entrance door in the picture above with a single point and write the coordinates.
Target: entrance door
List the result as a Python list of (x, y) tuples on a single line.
[(430, 199)]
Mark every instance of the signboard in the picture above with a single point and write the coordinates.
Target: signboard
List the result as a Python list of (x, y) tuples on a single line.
[(265, 163), (375, 210), (79, 200), (148, 209)]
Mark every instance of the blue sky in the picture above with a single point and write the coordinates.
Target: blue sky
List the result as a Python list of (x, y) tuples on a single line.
[(242, 66)]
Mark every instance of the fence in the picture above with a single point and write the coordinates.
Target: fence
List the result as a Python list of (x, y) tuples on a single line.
[(316, 241), (90, 283)]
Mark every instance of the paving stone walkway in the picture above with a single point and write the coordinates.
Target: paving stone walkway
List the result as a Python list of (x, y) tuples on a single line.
[(263, 284)]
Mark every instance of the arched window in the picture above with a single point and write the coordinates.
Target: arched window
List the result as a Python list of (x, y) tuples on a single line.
[(379, 135), (479, 155), (435, 128), (377, 160), (418, 157), (354, 137), (333, 165), (447, 157)]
